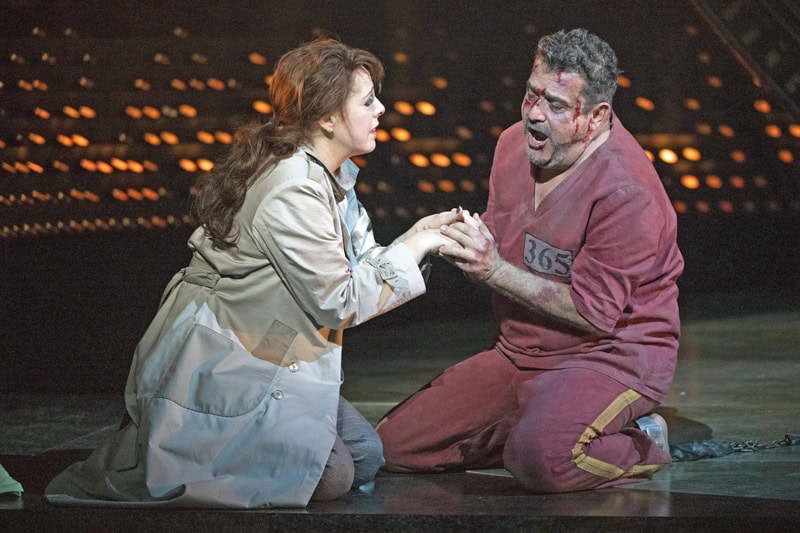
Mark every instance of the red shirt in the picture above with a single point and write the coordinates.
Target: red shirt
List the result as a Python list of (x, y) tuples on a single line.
[(609, 231)]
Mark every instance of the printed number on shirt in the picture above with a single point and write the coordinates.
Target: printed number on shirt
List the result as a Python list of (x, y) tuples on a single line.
[(542, 257)]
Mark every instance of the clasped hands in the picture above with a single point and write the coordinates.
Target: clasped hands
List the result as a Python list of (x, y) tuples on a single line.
[(461, 239)]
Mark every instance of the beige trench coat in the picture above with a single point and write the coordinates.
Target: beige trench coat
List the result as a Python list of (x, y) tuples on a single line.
[(234, 388)]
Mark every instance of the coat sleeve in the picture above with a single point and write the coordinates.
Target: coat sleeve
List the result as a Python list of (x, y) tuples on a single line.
[(299, 229)]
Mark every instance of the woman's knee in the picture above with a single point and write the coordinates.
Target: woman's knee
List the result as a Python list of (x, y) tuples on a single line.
[(367, 455)]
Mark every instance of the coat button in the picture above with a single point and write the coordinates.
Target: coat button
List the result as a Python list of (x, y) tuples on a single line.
[(278, 395), (294, 367)]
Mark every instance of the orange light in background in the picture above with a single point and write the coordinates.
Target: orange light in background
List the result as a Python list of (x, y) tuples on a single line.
[(702, 206), (446, 185), (703, 128), (205, 137), (135, 195), (400, 134), (725, 130), (178, 85), (624, 81), (426, 108), (216, 84), (794, 130), (462, 159), (439, 82), (690, 181), (87, 112), (359, 161), (762, 106), (495, 131), (440, 160), (169, 138), (668, 156), (680, 207), (726, 206), (738, 156), (786, 156), (692, 154), (35, 138), (104, 167), (364, 188), (737, 182), (467, 185), (714, 181), (381, 135), (135, 166), (161, 58), (60, 166), (419, 160), (205, 164), (486, 106), (649, 155), (133, 112), (692, 104), (151, 112), (41, 113), (197, 85), (80, 140), (152, 139), (150, 166), (187, 111), (70, 111), (714, 81), (400, 57), (119, 164), (22, 167), (426, 186), (35, 167), (645, 103), (464, 133), (63, 139), (773, 130), (257, 59), (761, 182), (404, 108), (141, 84), (223, 137), (187, 165), (262, 107)]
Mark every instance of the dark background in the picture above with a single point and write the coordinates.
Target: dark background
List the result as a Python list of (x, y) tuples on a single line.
[(74, 303)]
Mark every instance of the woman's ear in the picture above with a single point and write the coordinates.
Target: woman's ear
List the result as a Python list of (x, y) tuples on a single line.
[(327, 123)]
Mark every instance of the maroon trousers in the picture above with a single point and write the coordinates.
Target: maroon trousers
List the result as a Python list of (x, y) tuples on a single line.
[(554, 430)]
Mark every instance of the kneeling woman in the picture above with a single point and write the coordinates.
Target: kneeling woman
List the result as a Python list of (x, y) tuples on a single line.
[(233, 393)]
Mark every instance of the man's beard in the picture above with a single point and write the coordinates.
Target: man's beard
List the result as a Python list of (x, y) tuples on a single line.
[(556, 157)]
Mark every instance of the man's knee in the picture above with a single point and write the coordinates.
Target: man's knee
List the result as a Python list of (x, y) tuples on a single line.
[(539, 466)]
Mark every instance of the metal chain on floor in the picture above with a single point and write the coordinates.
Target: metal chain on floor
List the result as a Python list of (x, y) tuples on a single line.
[(707, 449)]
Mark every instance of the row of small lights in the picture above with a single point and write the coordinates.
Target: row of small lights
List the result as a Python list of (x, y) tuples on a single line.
[(96, 225), (35, 196), (726, 206)]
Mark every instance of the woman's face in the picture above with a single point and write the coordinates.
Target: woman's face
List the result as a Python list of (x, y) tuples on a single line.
[(358, 120)]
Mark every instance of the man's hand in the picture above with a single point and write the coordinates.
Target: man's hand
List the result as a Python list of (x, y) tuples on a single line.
[(474, 250)]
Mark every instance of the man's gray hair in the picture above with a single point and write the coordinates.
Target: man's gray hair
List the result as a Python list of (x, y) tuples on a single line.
[(580, 52)]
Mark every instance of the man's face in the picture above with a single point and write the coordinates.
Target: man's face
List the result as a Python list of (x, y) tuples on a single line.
[(556, 125)]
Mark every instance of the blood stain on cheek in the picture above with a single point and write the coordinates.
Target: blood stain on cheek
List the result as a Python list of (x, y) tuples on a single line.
[(575, 116)]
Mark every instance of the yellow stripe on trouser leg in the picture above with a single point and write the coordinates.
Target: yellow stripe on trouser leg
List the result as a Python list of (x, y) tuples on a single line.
[(601, 468)]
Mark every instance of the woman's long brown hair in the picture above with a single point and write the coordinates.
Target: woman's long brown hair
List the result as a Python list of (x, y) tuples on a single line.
[(310, 82)]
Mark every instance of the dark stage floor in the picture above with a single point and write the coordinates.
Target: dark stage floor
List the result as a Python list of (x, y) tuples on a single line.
[(737, 380)]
